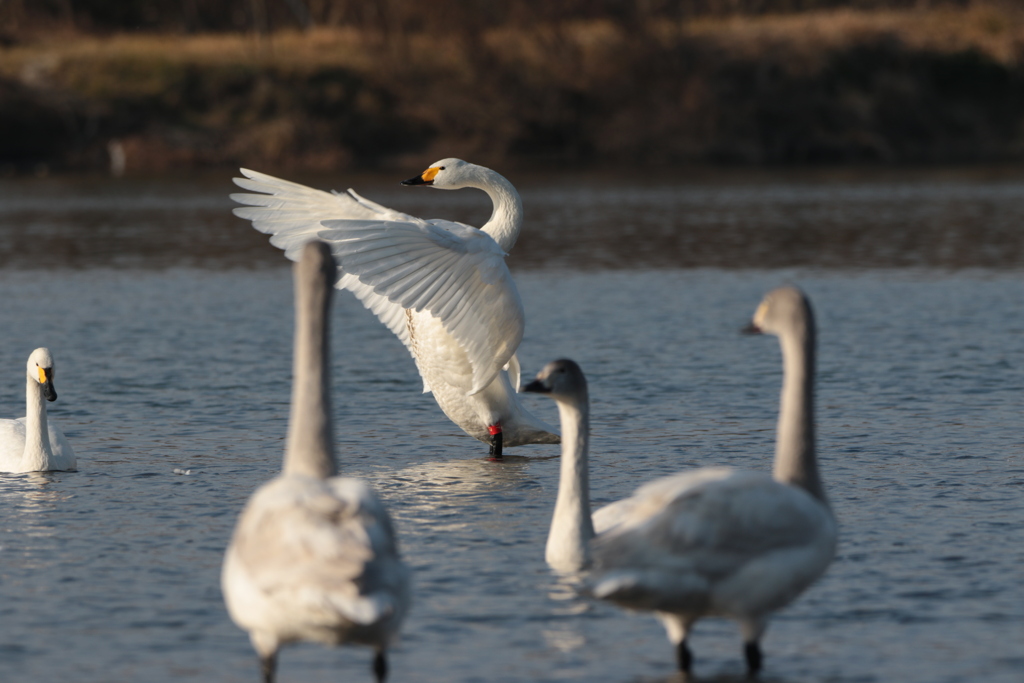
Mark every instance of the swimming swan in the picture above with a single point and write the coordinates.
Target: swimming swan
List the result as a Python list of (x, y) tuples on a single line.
[(30, 443), (714, 541), (442, 287), (314, 556)]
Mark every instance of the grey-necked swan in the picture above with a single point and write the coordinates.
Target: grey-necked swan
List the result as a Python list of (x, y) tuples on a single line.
[(314, 556), (714, 541), (441, 286), (32, 443)]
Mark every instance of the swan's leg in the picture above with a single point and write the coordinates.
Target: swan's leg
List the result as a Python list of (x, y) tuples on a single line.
[(496, 439), (267, 666), (752, 651), (266, 646), (676, 627), (683, 657), (751, 629), (380, 666)]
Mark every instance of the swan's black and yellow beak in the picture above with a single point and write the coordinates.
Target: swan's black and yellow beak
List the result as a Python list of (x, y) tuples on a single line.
[(46, 379), (425, 178), (537, 387)]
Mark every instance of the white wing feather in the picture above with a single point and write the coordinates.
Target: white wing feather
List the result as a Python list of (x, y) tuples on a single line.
[(454, 271), (291, 213)]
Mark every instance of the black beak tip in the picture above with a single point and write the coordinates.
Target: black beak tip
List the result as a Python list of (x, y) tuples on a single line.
[(418, 180), (750, 329), (49, 392), (536, 387)]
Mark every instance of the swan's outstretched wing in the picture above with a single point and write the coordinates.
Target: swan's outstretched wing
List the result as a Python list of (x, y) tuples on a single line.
[(454, 271), (680, 538), (318, 551), (291, 213), (286, 210)]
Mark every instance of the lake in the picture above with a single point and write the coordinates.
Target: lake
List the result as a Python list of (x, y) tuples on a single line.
[(170, 322)]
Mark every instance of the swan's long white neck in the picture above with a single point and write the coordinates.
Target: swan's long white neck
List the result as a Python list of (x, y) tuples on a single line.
[(38, 451), (310, 446), (507, 217), (571, 527), (795, 461)]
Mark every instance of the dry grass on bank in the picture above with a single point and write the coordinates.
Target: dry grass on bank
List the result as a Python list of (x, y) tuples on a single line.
[(997, 32)]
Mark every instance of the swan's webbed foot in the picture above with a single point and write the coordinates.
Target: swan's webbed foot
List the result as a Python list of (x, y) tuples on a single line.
[(496, 439), (683, 657), (752, 651), (268, 665), (380, 666)]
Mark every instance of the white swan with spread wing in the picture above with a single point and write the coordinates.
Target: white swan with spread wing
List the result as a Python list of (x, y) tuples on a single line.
[(441, 286)]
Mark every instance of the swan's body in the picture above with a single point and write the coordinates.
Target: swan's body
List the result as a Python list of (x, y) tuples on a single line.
[(314, 556), (711, 542), (32, 443), (442, 287)]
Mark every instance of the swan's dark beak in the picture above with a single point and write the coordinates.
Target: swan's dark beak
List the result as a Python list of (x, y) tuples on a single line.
[(536, 387), (49, 393), (425, 178), (751, 329)]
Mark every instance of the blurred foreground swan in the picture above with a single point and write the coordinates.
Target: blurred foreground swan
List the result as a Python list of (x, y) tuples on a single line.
[(314, 556), (441, 286), (714, 541), (30, 443)]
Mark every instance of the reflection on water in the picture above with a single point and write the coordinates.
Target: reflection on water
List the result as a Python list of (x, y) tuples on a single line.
[(26, 499), (731, 220), (473, 479), (29, 493), (565, 639), (439, 491)]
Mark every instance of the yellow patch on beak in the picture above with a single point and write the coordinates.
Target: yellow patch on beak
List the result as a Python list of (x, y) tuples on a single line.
[(429, 174), (42, 375)]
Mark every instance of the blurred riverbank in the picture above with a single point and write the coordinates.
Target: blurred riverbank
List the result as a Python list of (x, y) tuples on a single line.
[(831, 87)]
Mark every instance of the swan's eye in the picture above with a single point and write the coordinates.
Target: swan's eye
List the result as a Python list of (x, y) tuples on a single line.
[(441, 169)]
